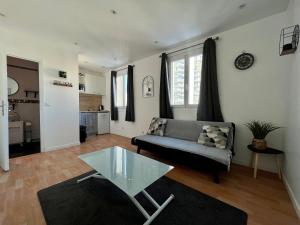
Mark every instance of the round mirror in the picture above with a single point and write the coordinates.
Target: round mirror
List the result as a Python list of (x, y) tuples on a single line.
[(12, 86)]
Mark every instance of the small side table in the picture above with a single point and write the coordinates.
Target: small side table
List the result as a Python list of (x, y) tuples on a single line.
[(269, 151)]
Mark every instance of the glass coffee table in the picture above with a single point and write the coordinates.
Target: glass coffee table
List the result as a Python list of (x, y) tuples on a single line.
[(130, 172)]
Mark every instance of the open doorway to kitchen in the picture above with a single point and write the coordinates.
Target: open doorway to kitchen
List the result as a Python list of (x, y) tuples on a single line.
[(24, 107)]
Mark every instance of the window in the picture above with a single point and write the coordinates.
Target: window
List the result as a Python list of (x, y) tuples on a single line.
[(185, 79), (121, 90), (177, 82), (195, 66)]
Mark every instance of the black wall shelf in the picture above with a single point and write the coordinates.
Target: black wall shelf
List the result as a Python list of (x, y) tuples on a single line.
[(27, 93), (63, 84), (24, 101)]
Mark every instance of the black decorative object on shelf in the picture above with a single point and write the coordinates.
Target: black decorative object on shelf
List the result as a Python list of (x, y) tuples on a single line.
[(62, 74), (289, 40), (81, 82), (244, 61)]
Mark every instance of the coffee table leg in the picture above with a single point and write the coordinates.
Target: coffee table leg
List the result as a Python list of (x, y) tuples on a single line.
[(255, 164), (136, 203), (94, 175), (150, 199), (156, 213)]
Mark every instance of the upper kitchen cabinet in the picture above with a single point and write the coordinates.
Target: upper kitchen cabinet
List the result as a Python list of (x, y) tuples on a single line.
[(92, 84)]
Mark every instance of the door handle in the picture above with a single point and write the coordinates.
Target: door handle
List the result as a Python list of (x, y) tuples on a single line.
[(2, 108)]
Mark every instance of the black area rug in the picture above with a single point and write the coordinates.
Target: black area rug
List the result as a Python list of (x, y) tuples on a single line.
[(18, 150), (99, 202)]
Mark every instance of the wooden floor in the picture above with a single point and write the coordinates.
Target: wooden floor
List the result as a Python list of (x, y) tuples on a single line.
[(265, 199)]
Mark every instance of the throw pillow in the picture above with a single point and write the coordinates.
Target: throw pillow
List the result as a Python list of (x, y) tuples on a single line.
[(157, 126), (214, 136)]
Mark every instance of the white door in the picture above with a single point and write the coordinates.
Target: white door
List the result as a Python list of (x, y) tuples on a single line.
[(4, 153)]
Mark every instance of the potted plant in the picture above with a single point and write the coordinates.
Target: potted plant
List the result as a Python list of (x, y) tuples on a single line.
[(260, 130)]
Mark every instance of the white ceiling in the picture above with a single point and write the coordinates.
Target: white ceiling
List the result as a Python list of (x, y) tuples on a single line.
[(107, 40)]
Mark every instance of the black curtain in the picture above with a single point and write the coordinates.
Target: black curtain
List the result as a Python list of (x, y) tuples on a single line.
[(130, 96), (165, 110), (209, 108), (113, 92)]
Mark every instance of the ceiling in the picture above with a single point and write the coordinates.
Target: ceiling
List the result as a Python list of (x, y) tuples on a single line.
[(107, 40)]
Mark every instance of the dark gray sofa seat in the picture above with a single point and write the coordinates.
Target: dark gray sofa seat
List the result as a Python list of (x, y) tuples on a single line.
[(220, 155)]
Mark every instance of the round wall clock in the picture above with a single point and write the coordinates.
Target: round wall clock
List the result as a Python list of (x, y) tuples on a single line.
[(244, 61), (148, 87)]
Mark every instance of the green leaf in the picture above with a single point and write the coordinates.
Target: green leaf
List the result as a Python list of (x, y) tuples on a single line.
[(261, 129)]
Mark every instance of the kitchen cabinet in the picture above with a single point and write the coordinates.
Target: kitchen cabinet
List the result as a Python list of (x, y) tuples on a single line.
[(90, 120), (103, 123), (94, 84), (95, 122)]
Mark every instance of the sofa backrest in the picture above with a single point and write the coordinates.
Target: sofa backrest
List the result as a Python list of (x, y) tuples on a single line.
[(190, 130)]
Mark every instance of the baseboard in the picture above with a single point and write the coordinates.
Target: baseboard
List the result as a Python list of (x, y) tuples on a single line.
[(260, 167), (47, 149), (122, 134), (292, 195), (240, 162)]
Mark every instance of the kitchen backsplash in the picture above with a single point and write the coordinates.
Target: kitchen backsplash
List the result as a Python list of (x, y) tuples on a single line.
[(89, 102)]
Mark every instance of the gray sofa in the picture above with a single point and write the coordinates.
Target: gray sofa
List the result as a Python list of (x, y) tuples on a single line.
[(182, 135)]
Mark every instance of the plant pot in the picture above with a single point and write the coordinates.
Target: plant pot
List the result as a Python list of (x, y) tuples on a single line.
[(259, 144)]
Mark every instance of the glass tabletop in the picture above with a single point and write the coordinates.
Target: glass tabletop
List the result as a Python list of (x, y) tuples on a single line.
[(129, 171)]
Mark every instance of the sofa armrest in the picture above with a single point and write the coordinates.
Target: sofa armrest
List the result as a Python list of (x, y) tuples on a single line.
[(233, 139), (133, 141)]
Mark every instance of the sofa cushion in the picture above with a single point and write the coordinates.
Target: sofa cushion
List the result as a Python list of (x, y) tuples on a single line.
[(183, 129), (190, 130), (157, 126), (220, 155), (214, 136)]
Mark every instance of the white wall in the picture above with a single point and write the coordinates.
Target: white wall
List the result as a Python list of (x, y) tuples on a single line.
[(59, 105), (145, 108), (292, 147), (257, 93)]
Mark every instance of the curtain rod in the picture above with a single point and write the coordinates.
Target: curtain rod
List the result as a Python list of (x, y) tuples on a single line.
[(182, 49), (124, 68)]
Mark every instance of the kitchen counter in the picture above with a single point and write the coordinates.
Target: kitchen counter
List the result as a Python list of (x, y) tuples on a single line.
[(102, 111)]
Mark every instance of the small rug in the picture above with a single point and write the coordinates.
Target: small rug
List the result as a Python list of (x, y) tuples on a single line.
[(18, 150), (99, 202)]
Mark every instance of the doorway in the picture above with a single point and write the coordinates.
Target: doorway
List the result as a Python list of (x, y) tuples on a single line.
[(23, 107)]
